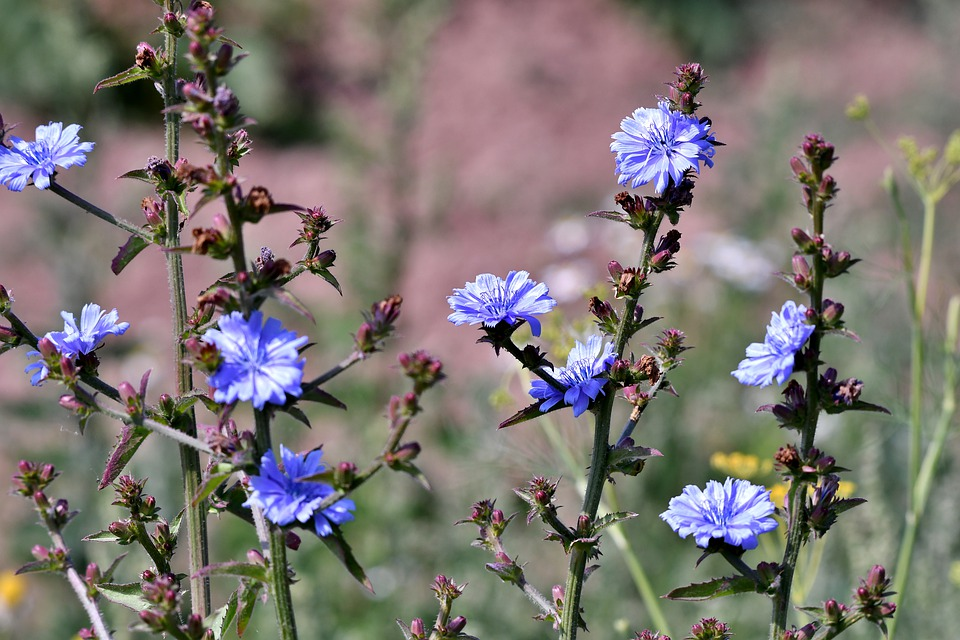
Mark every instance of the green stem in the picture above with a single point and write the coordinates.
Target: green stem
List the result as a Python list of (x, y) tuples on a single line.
[(925, 477), (74, 199), (143, 538), (183, 439), (600, 454), (280, 585), (797, 493), (194, 516)]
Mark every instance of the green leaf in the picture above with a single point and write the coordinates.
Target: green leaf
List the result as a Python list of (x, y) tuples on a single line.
[(132, 74), (286, 298), (329, 277), (339, 547), (715, 588), (248, 599), (129, 595), (219, 621), (107, 574), (134, 245), (858, 405), (297, 414), (175, 525), (131, 437), (210, 485), (529, 413), (37, 566), (137, 174), (612, 519), (413, 471), (243, 570), (609, 215), (630, 460), (321, 396), (101, 536)]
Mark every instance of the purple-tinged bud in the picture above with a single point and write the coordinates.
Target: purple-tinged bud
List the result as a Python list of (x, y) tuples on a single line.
[(325, 259), (803, 241), (127, 393), (801, 272), (620, 370), (224, 59), (255, 557), (93, 575), (402, 454), (810, 315), (832, 611), (155, 620), (153, 212), (72, 403), (615, 269), (47, 348), (194, 627), (417, 629), (662, 261), (197, 50), (584, 525), (344, 475), (832, 312), (292, 540), (41, 500), (456, 625), (60, 513), (40, 552), (172, 25), (877, 579), (800, 170), (497, 517), (557, 593), (828, 188), (146, 57), (225, 102)]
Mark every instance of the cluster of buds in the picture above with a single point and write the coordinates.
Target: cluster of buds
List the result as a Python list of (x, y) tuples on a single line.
[(422, 368), (684, 90), (378, 325), (491, 523), (806, 632), (627, 282), (818, 188), (445, 628), (869, 597), (163, 593), (539, 494), (148, 60), (154, 214), (267, 268), (33, 477), (314, 223), (710, 629), (643, 213), (646, 634), (55, 559), (130, 496), (216, 298), (670, 346)]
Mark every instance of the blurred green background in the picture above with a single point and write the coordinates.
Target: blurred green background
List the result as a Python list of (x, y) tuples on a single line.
[(454, 138)]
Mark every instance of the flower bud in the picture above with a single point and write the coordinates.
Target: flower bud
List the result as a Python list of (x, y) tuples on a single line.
[(456, 625), (292, 540)]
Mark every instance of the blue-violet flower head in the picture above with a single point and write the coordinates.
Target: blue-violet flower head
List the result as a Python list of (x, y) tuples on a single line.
[(259, 362), (284, 497), (54, 146), (490, 300), (774, 358), (580, 378), (95, 325), (657, 145), (735, 511)]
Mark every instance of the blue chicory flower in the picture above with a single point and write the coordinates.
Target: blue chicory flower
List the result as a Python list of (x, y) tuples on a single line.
[(490, 300), (259, 362), (735, 511), (580, 378), (54, 146), (773, 359), (655, 145), (279, 491), (95, 325)]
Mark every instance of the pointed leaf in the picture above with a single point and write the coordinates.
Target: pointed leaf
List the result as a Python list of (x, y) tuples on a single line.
[(528, 413), (248, 599), (132, 74), (609, 215), (242, 570), (129, 595), (716, 588), (336, 544), (131, 437), (209, 486), (219, 621), (134, 245), (848, 503), (137, 174), (612, 518), (321, 396), (286, 298), (858, 405), (844, 333), (329, 277), (413, 471), (299, 415), (101, 536), (37, 566), (175, 525), (107, 574)]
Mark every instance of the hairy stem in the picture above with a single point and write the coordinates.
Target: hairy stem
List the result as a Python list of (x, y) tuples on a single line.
[(74, 199)]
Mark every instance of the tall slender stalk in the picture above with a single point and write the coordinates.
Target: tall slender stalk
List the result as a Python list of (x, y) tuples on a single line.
[(194, 516)]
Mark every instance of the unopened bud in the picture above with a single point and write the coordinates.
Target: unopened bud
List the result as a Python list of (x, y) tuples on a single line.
[(457, 624)]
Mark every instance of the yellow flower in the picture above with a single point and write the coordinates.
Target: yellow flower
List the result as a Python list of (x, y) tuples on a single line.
[(778, 492), (13, 588), (740, 465)]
